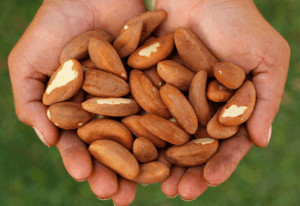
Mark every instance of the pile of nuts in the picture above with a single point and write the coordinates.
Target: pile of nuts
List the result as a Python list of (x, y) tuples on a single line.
[(184, 105)]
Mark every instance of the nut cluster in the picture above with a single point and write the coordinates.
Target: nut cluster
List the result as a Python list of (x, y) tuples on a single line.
[(182, 101)]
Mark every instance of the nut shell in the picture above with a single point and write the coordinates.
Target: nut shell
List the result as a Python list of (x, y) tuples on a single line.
[(144, 150), (152, 172), (195, 152), (68, 115), (77, 48), (116, 157), (106, 129)]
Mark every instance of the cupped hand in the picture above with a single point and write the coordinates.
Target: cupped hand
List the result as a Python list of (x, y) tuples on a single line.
[(36, 56), (234, 31)]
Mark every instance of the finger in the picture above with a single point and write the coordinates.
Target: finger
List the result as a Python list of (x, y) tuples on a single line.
[(75, 155), (103, 181), (192, 183), (269, 80), (126, 192), (170, 185), (220, 167)]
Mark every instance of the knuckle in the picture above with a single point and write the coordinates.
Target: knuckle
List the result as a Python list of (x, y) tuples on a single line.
[(22, 117)]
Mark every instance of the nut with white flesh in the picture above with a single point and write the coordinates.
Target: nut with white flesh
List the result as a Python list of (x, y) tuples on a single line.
[(240, 107), (113, 107), (64, 82)]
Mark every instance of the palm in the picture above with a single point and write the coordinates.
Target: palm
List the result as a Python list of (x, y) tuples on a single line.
[(236, 32)]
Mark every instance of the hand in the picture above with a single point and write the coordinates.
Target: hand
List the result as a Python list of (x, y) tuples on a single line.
[(36, 56), (234, 31)]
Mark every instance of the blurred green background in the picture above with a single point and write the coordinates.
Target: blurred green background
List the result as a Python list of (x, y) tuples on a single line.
[(32, 174)]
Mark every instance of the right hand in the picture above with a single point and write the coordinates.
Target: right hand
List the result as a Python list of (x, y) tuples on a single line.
[(36, 56)]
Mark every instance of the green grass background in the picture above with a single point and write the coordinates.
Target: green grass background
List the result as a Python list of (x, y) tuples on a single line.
[(32, 174)]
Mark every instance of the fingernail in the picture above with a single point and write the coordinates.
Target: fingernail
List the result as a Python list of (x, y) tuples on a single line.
[(186, 200), (172, 197), (269, 135), (41, 136), (99, 198), (212, 185)]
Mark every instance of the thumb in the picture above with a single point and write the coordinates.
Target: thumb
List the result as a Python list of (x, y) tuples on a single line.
[(28, 88), (269, 79)]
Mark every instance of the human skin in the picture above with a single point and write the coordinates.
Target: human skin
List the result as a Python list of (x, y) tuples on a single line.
[(36, 56), (242, 37), (235, 31)]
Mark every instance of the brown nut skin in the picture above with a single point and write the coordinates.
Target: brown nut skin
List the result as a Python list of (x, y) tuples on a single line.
[(128, 40), (68, 115), (106, 129), (104, 84), (240, 107), (180, 108), (219, 131), (146, 94), (88, 64), (193, 52), (230, 75), (164, 129), (197, 97), (175, 74), (152, 172), (151, 20), (148, 55), (144, 150), (77, 48), (116, 157), (216, 92), (64, 83), (113, 107), (133, 124), (154, 77), (106, 58), (78, 97), (195, 152)]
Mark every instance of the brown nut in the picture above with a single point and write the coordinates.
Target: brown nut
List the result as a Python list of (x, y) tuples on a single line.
[(77, 48), (175, 74), (151, 53), (195, 152), (230, 75), (144, 150), (180, 108), (154, 77), (152, 172), (78, 97), (219, 131), (197, 97), (103, 84), (128, 40), (64, 82), (164, 129), (146, 94), (68, 115), (106, 58), (151, 20), (116, 157), (216, 92), (240, 107), (133, 124), (88, 64), (113, 107), (193, 52), (106, 129)]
